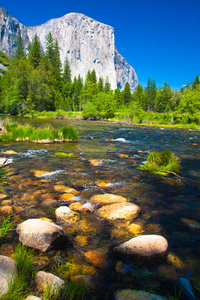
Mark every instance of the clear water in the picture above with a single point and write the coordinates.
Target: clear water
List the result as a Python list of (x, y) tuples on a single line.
[(165, 202)]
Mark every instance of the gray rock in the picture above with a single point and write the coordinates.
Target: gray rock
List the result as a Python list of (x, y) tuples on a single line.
[(8, 271), (46, 280), (30, 297), (144, 246), (137, 295), (88, 45), (66, 215), (40, 234)]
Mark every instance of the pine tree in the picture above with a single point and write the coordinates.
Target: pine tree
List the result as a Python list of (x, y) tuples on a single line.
[(19, 51), (150, 93), (67, 72), (127, 94), (35, 53), (107, 85), (195, 82), (93, 77), (100, 84), (53, 54)]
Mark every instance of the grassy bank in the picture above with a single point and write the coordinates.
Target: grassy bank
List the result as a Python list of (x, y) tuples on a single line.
[(46, 134)]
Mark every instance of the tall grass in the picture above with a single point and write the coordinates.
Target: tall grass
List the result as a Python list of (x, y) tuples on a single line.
[(161, 161), (25, 275), (5, 226), (17, 132)]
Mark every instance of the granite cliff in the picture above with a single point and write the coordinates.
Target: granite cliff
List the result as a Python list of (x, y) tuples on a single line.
[(88, 44)]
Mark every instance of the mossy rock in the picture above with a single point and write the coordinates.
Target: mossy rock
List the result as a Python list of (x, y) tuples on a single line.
[(162, 163), (63, 154)]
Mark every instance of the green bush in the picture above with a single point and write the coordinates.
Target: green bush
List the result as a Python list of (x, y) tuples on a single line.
[(161, 162), (28, 132)]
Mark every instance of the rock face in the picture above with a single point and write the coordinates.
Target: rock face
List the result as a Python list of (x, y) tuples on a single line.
[(88, 45), (8, 271), (40, 234), (144, 246)]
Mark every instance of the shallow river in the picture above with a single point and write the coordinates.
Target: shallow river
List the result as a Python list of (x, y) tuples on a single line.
[(170, 206)]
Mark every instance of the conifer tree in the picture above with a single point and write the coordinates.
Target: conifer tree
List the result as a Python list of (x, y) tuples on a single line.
[(35, 53), (67, 72), (107, 85), (127, 94), (19, 51), (100, 84), (195, 82), (150, 93)]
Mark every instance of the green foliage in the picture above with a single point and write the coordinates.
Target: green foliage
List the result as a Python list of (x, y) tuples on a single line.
[(101, 106), (35, 53), (20, 51), (65, 155), (25, 274), (5, 59), (159, 161), (17, 132), (5, 226), (150, 95)]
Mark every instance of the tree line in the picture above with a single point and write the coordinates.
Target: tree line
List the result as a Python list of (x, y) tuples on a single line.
[(35, 81)]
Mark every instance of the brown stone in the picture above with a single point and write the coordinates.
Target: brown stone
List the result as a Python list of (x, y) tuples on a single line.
[(3, 196), (6, 202), (9, 152), (122, 155), (104, 199), (65, 189), (122, 211), (96, 259), (76, 206), (6, 210), (95, 162)]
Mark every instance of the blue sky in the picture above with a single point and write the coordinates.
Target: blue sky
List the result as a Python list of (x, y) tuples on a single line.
[(159, 39)]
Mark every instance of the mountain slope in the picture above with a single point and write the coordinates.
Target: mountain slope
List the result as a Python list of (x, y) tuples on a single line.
[(88, 44)]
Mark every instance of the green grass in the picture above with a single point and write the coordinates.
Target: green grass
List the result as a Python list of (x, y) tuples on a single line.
[(17, 132), (160, 161), (5, 226), (25, 274)]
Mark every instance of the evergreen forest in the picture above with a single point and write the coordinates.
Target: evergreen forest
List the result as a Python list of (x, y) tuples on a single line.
[(35, 82)]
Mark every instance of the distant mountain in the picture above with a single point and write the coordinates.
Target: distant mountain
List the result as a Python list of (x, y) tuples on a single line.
[(88, 45)]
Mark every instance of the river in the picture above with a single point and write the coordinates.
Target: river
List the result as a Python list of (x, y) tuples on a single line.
[(170, 205)]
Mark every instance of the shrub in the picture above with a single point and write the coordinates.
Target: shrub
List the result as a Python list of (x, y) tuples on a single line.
[(161, 161)]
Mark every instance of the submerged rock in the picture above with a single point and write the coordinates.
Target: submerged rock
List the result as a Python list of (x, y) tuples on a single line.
[(31, 297), (122, 211), (136, 295), (96, 259), (8, 272), (103, 199), (95, 162), (66, 215), (46, 280), (65, 189), (40, 234), (144, 246)]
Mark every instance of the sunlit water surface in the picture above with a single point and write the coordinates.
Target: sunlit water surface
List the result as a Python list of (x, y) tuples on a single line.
[(169, 205)]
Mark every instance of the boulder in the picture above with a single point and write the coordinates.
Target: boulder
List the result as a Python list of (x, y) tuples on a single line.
[(40, 234), (8, 271), (119, 211), (144, 246), (31, 297), (104, 199), (136, 295), (46, 280), (66, 215)]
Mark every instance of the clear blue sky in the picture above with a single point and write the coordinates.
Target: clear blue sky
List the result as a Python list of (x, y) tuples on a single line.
[(159, 38)]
